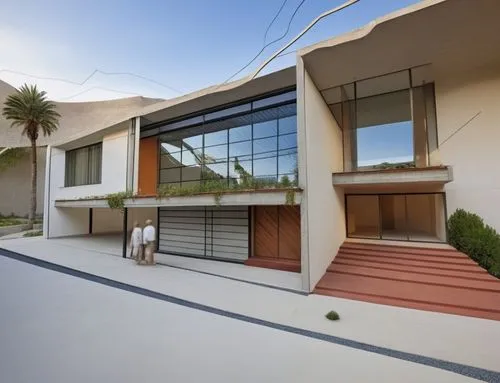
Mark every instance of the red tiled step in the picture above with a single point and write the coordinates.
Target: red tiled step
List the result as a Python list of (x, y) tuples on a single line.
[(463, 260), (449, 309), (492, 284), (274, 263), (411, 291), (403, 249), (380, 260), (474, 274)]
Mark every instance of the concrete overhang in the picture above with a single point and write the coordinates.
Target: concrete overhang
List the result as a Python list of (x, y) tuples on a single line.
[(414, 176), (236, 198), (218, 95), (448, 35)]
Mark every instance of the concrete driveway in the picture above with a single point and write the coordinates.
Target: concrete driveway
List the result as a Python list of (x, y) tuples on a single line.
[(89, 316), (58, 328)]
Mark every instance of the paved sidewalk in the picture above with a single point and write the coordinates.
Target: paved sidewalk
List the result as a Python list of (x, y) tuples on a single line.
[(452, 338)]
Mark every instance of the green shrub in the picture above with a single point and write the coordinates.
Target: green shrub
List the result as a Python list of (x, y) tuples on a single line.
[(332, 315), (468, 233)]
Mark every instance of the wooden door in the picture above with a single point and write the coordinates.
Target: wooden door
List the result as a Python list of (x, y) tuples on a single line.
[(276, 231), (265, 228), (289, 232)]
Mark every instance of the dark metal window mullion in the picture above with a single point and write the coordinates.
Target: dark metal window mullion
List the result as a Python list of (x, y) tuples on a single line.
[(410, 80), (277, 146), (227, 138), (205, 237), (355, 114)]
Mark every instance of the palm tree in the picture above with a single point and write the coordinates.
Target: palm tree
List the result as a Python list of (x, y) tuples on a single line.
[(30, 109)]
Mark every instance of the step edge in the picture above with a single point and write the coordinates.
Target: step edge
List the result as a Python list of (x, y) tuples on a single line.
[(385, 261), (493, 311), (465, 261), (421, 272), (418, 282), (360, 244)]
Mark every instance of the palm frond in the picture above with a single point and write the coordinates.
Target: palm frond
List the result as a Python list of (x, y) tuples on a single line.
[(30, 109)]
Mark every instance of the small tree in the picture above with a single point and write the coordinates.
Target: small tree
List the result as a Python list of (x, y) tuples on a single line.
[(30, 109)]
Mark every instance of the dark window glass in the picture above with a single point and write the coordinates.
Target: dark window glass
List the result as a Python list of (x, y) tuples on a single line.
[(191, 173), (240, 169), (288, 141), (265, 166), (171, 146), (265, 129), (288, 179), (265, 145), (170, 160), (83, 166), (216, 138), (287, 164), (215, 154), (191, 156), (241, 133), (215, 171), (260, 145), (288, 125), (170, 175), (242, 150)]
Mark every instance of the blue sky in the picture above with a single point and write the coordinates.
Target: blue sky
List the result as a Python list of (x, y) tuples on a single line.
[(186, 44)]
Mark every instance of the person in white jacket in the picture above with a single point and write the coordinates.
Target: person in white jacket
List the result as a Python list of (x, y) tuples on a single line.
[(149, 238), (136, 243)]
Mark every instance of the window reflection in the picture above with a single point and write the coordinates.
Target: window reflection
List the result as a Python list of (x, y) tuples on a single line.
[(260, 147)]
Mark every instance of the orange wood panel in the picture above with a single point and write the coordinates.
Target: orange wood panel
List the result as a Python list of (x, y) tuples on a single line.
[(148, 166), (289, 232), (265, 231)]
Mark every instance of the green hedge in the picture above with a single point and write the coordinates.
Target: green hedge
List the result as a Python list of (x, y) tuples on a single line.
[(468, 233)]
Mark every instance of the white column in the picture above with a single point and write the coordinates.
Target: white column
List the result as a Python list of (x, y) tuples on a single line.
[(46, 202), (137, 136), (302, 181)]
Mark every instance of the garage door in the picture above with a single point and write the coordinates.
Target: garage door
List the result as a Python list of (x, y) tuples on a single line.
[(210, 232)]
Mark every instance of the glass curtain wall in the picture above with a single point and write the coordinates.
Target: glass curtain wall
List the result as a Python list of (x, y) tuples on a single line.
[(387, 121), (258, 146)]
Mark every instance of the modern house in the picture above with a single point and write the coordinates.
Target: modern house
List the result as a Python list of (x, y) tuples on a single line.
[(375, 136)]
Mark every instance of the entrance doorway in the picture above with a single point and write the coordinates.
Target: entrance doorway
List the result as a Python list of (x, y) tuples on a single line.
[(401, 217)]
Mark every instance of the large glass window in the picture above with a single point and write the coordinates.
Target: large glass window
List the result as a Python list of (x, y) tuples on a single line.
[(83, 166), (387, 121), (261, 145)]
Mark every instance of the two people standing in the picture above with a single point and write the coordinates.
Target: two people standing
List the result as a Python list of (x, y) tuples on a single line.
[(143, 240)]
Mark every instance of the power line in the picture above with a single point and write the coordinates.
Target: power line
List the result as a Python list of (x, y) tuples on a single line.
[(273, 20), (94, 72), (133, 75), (266, 45), (98, 87), (321, 16)]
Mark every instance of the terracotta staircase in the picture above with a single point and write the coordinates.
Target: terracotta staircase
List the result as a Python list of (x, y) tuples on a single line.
[(433, 279)]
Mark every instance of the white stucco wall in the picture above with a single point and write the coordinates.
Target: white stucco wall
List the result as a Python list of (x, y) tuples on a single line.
[(474, 151), (105, 220), (320, 154), (114, 175), (15, 186)]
